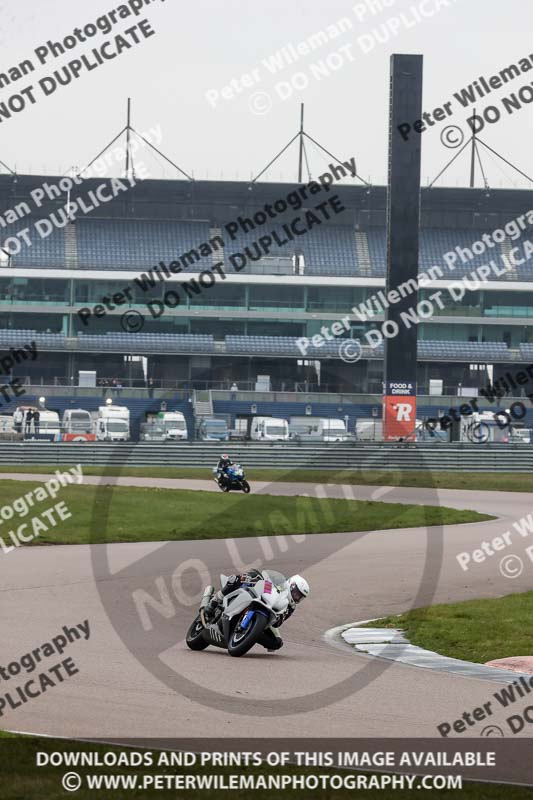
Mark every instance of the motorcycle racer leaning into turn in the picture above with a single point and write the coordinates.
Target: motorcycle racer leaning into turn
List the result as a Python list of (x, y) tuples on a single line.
[(296, 587), (222, 466)]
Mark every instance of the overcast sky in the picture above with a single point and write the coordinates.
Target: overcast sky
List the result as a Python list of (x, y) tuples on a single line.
[(202, 46)]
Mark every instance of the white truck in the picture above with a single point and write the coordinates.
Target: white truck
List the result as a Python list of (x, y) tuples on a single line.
[(269, 429), (482, 427), (318, 428), (174, 423), (76, 420), (113, 424)]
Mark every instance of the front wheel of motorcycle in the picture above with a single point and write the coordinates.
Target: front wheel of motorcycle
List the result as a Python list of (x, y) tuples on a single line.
[(194, 638), (242, 640), (246, 487)]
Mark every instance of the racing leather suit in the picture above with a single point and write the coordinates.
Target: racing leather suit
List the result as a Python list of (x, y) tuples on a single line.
[(222, 467)]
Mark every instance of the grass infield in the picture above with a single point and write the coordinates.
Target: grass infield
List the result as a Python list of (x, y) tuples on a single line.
[(474, 630), (132, 514), (485, 481)]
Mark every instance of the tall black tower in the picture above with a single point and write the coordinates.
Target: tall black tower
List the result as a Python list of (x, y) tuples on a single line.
[(403, 221)]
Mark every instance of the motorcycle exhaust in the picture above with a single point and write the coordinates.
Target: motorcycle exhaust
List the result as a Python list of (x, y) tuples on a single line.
[(206, 597)]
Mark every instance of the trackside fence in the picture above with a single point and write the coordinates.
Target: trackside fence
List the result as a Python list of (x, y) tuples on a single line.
[(360, 455)]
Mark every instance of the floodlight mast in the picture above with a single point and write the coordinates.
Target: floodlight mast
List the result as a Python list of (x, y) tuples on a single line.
[(128, 129), (302, 135), (300, 160), (128, 140), (475, 152)]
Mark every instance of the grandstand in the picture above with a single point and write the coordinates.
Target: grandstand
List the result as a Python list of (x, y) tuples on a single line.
[(249, 324)]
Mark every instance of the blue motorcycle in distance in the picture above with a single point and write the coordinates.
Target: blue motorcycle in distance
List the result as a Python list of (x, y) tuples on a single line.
[(233, 480)]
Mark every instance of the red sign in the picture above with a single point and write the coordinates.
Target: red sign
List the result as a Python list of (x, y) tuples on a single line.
[(399, 418), (78, 437)]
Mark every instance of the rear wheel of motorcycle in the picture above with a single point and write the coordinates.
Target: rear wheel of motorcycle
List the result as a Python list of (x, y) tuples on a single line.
[(225, 487), (194, 638), (246, 487), (246, 642)]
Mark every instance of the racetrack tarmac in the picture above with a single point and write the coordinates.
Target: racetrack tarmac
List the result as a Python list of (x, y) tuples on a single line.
[(353, 576)]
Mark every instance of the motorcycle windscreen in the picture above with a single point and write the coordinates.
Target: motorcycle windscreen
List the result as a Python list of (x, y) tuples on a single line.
[(276, 577)]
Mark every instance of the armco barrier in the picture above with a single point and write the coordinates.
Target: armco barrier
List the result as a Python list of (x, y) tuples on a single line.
[(361, 455)]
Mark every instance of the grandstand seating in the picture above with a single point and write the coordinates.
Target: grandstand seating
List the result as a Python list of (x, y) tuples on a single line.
[(460, 351), (19, 337), (251, 345), (126, 244), (287, 345), (152, 342), (47, 252), (330, 250), (526, 351), (116, 244), (377, 248)]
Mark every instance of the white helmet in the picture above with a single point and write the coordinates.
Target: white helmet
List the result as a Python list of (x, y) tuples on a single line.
[(298, 588)]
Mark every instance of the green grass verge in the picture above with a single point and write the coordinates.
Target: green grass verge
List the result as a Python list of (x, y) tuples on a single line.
[(20, 779), (486, 481), (124, 514), (475, 630)]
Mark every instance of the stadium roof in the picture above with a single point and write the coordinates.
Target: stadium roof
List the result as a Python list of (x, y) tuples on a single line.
[(221, 200)]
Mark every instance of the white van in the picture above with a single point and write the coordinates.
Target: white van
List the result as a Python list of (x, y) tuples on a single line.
[(482, 427), (48, 424), (113, 424), (174, 423), (76, 420), (269, 429), (318, 428)]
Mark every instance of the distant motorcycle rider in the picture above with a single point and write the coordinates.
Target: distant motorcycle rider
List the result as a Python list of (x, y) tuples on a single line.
[(296, 587), (222, 466)]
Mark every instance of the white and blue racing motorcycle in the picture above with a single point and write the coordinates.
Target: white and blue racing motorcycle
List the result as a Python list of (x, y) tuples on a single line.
[(243, 616)]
